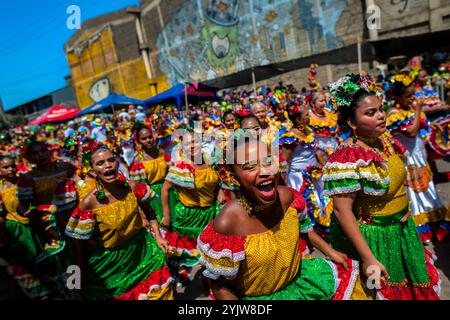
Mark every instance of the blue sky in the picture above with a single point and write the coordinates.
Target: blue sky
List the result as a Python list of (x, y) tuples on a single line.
[(32, 36)]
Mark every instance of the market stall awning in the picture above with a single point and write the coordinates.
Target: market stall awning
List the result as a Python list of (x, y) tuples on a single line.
[(178, 92), (112, 99), (55, 114)]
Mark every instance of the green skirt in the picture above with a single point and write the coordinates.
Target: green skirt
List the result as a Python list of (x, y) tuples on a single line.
[(187, 224), (316, 280), (133, 268), (396, 245), (156, 202), (23, 250)]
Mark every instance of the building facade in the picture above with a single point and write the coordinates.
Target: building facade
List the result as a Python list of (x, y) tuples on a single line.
[(142, 51)]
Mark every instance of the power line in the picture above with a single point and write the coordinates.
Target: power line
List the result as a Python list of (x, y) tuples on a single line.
[(22, 81)]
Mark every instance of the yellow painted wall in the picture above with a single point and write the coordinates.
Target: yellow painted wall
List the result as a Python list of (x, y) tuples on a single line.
[(98, 60)]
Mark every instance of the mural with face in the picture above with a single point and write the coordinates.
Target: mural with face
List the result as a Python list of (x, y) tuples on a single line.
[(222, 37)]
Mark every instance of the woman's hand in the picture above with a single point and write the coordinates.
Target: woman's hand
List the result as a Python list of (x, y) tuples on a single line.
[(221, 197), (417, 104), (163, 244), (338, 257), (374, 264), (165, 222)]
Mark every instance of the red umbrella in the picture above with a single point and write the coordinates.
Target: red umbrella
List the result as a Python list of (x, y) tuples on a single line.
[(55, 114)]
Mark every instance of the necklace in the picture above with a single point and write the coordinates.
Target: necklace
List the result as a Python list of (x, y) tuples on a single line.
[(249, 207)]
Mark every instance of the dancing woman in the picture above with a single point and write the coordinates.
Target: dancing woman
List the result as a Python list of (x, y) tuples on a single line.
[(409, 125), (198, 202), (324, 122), (123, 260), (305, 159), (365, 177), (23, 242), (254, 248), (149, 164)]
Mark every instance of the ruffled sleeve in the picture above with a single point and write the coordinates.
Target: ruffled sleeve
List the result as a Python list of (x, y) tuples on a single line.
[(351, 168), (221, 254), (137, 172), (81, 224), (400, 120), (299, 204), (25, 189), (181, 174), (65, 197), (143, 192)]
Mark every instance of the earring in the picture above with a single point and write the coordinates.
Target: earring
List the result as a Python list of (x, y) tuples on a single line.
[(355, 137), (100, 193)]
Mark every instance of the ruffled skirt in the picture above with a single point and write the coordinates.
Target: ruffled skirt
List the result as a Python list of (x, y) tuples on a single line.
[(135, 270), (187, 224), (399, 248), (318, 279)]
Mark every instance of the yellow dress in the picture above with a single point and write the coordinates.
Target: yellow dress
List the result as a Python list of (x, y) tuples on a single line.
[(196, 207), (127, 263), (24, 246), (269, 265), (381, 210)]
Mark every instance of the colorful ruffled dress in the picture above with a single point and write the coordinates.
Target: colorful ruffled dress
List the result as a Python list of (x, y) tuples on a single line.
[(438, 141), (425, 204), (24, 246), (40, 192), (381, 202), (127, 263), (152, 172), (304, 175), (269, 265), (127, 145), (197, 205), (326, 130)]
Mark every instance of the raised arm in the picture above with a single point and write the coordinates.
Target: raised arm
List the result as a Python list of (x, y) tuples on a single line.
[(415, 127)]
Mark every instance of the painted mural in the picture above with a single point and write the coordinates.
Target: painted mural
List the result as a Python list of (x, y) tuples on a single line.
[(227, 36)]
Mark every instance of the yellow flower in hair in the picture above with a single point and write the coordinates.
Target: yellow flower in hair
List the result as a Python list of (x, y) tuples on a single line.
[(405, 79)]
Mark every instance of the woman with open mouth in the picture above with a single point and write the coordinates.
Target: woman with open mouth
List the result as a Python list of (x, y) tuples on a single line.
[(256, 247), (149, 165), (199, 197), (119, 258), (365, 176), (305, 160)]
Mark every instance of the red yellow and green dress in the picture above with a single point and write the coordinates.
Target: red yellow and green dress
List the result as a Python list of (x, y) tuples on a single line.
[(425, 203), (152, 172), (326, 129), (24, 246), (39, 190), (305, 176), (381, 202), (127, 263), (197, 205), (269, 265)]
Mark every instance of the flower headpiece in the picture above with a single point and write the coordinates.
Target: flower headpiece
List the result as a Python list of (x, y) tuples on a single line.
[(294, 108), (87, 150), (346, 87), (312, 82), (405, 78)]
